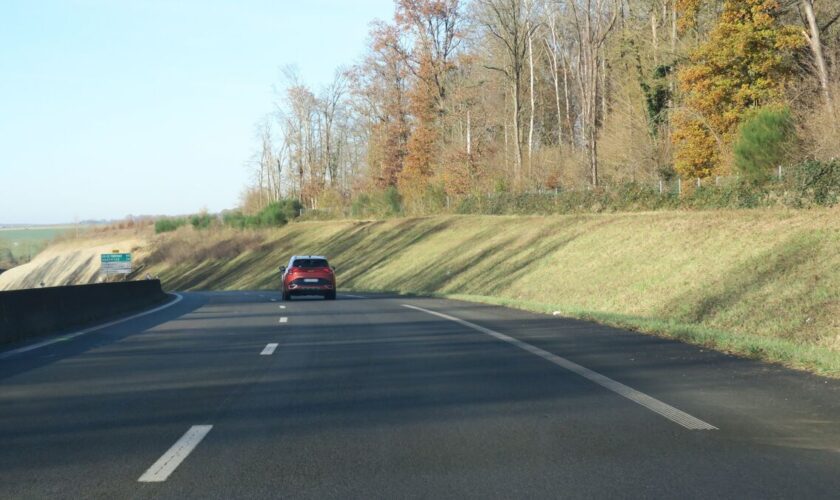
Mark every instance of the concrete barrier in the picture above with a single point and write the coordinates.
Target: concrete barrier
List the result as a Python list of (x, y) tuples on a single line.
[(40, 311)]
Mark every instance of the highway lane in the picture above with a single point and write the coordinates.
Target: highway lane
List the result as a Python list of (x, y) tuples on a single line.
[(219, 397)]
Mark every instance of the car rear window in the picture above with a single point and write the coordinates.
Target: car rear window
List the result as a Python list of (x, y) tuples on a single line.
[(310, 263)]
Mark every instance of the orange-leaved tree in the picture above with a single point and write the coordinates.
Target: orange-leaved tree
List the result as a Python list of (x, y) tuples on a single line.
[(746, 62), (423, 143), (431, 32)]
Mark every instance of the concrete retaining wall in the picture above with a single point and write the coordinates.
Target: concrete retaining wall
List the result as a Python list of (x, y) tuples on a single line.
[(40, 311)]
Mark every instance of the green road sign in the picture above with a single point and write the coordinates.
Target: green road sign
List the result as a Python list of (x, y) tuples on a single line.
[(115, 263), (115, 257)]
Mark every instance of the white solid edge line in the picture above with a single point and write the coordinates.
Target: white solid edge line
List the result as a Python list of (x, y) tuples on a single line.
[(268, 350), (282, 307), (173, 457), (651, 403), (284, 319), (70, 336)]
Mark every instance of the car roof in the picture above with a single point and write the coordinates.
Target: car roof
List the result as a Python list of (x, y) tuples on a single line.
[(308, 257)]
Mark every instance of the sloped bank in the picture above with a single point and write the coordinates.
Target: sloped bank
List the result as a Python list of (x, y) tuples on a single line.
[(762, 283)]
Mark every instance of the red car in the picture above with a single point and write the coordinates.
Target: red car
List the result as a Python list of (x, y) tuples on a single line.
[(308, 275)]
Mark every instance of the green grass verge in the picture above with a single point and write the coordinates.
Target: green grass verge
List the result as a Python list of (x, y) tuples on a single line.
[(773, 350)]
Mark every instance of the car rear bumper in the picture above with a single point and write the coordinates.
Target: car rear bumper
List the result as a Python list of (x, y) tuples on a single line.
[(295, 289)]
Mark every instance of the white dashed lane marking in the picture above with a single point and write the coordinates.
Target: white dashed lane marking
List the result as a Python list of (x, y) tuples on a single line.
[(268, 350), (173, 457)]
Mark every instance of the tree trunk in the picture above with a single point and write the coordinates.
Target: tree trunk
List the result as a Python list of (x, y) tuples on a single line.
[(556, 75), (654, 39), (593, 155), (469, 135), (553, 47), (603, 88), (568, 103), (592, 119), (816, 48), (533, 101), (505, 126), (673, 28), (517, 134)]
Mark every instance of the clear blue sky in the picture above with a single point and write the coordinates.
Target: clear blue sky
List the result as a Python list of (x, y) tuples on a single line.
[(117, 107)]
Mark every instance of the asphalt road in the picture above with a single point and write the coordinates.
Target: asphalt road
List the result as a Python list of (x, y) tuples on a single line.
[(218, 397)]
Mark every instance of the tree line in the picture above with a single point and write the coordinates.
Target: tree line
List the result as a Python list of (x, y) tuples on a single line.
[(454, 98)]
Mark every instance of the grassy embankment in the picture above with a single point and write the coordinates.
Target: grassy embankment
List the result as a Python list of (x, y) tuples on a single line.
[(764, 284)]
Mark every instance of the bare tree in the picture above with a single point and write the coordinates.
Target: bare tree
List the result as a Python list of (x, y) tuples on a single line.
[(507, 22), (592, 20), (552, 45), (530, 27), (435, 26), (329, 107)]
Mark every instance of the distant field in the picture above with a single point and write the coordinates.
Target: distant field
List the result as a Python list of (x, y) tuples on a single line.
[(24, 242)]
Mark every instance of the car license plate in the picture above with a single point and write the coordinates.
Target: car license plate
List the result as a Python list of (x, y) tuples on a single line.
[(310, 280)]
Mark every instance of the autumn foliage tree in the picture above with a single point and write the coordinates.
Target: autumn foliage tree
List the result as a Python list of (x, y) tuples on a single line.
[(381, 84), (457, 100), (423, 143), (745, 62), (428, 32)]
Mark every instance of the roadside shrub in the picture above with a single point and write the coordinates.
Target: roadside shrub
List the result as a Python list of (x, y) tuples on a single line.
[(764, 142), (235, 219), (289, 207), (322, 214), (275, 214), (391, 201), (271, 216), (818, 182), (169, 224), (635, 196), (435, 199), (385, 203), (201, 221), (330, 201), (359, 205)]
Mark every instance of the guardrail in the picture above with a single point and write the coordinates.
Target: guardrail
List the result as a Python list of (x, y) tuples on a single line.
[(40, 311)]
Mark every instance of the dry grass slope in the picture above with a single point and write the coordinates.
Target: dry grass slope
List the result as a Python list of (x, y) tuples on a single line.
[(760, 283), (71, 261)]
